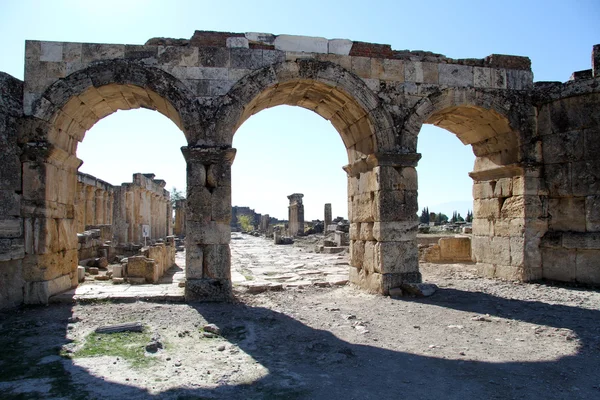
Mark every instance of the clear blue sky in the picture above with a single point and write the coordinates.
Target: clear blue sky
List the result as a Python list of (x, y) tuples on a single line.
[(284, 149)]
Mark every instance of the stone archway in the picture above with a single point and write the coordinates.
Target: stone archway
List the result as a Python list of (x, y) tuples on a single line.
[(380, 181), (506, 225), (58, 122)]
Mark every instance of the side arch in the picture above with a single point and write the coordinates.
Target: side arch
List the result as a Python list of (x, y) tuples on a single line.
[(72, 105), (507, 206), (323, 87)]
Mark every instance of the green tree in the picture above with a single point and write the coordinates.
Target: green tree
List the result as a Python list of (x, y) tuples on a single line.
[(176, 195), (245, 222), (441, 218), (469, 216), (424, 218)]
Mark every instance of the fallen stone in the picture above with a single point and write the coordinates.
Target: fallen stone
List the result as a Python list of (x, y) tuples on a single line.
[(118, 281), (212, 328), (396, 292), (181, 284), (101, 277), (126, 327), (136, 281), (117, 271), (419, 289), (93, 270), (80, 273), (321, 284)]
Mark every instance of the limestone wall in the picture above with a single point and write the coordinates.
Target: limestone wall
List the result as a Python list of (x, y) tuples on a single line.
[(446, 249), (12, 245), (179, 226), (569, 131), (93, 202)]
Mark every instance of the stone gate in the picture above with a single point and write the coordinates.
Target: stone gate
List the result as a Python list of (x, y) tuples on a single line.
[(536, 176)]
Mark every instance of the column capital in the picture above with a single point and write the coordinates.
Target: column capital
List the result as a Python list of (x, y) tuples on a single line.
[(371, 161), (209, 155)]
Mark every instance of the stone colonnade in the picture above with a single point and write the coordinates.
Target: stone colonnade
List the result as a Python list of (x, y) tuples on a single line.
[(295, 215), (127, 207), (93, 202)]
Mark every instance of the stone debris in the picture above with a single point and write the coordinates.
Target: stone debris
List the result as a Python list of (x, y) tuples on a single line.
[(419, 289), (125, 327), (212, 328)]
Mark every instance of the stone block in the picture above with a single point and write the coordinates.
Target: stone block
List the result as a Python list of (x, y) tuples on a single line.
[(221, 204), (563, 147), (558, 179), (491, 250), (362, 208), (397, 257), (237, 42), (455, 75), (567, 214), (588, 266), (592, 213), (339, 46), (559, 264), (117, 271), (483, 227), (194, 262), (304, 44), (483, 190), (455, 249), (142, 267), (51, 51), (366, 231), (394, 178), (586, 178), (370, 282), (587, 241), (487, 208), (395, 231), (369, 260), (217, 261), (482, 77), (357, 253), (354, 232)]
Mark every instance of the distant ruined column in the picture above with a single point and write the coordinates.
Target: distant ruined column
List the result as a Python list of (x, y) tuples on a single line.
[(179, 228), (296, 215), (90, 205), (264, 223), (328, 218)]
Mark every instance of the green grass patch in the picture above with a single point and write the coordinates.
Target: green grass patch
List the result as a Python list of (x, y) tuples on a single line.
[(127, 345)]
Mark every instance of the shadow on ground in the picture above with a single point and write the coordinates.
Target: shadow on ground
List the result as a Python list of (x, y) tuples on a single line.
[(308, 363)]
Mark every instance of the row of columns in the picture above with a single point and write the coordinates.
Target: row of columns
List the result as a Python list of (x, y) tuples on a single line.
[(95, 206)]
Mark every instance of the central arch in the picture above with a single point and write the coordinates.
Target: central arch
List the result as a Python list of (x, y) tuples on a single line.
[(379, 179)]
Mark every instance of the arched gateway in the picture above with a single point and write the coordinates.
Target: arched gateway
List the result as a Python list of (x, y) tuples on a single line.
[(375, 97)]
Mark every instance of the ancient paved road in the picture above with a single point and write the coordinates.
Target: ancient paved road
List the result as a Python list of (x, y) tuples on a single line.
[(257, 265)]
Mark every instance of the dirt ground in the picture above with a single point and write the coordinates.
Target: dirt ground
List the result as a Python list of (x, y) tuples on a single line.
[(473, 339)]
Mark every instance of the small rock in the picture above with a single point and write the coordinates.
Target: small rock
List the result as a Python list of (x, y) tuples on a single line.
[(153, 346), (101, 277), (209, 335), (181, 284), (212, 328), (221, 348), (73, 320), (419, 289), (93, 270), (455, 326), (481, 318), (350, 316)]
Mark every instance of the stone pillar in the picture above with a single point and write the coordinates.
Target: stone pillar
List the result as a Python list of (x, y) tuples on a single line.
[(596, 60), (80, 204), (110, 208), (179, 228), (382, 196), (90, 205), (208, 215), (328, 217), (296, 215), (264, 223), (99, 207)]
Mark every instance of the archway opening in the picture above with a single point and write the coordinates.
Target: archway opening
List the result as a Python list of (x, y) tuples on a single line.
[(132, 164), (78, 203), (498, 187), (283, 151)]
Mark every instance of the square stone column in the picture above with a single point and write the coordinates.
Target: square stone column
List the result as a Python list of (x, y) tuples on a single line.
[(208, 215), (382, 196)]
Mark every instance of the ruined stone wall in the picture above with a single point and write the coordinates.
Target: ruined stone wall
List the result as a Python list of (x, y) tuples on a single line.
[(144, 201), (12, 245), (569, 131), (94, 202)]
